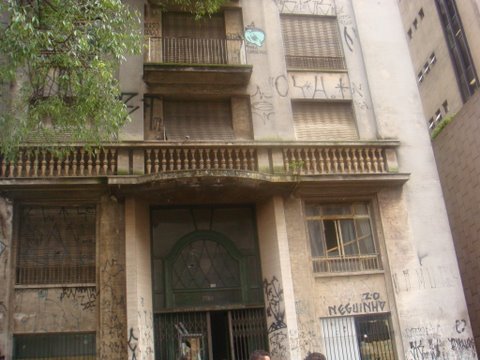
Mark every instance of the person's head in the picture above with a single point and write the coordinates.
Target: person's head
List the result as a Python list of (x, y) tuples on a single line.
[(259, 355), (315, 356)]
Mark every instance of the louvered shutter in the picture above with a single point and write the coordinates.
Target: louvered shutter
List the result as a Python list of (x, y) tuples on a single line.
[(312, 42), (324, 121), (198, 120), (185, 25)]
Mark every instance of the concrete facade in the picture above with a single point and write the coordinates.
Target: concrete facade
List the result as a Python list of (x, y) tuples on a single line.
[(414, 290), (456, 153), (455, 147)]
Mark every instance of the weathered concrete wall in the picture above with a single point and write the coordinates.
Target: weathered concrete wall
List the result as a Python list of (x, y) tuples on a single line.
[(271, 108), (139, 281), (326, 295), (457, 152), (133, 87), (112, 336), (278, 286), (6, 274), (67, 309), (440, 83), (423, 241)]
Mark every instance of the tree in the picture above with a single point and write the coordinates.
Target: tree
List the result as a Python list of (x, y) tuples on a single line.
[(60, 59)]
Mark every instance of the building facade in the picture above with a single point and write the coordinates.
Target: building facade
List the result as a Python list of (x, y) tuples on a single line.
[(276, 188), (444, 46)]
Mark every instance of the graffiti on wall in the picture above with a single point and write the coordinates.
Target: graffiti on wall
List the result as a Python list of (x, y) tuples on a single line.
[(424, 278), (347, 28), (140, 340), (427, 343), (112, 301), (277, 328), (84, 297), (254, 35), (275, 305), (370, 302), (306, 338), (52, 309), (308, 7), (325, 86), (262, 104)]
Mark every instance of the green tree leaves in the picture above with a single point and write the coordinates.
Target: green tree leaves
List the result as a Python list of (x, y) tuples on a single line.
[(60, 59)]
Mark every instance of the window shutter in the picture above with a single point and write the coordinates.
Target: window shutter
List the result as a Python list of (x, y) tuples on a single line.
[(312, 42), (199, 120), (323, 121), (185, 25)]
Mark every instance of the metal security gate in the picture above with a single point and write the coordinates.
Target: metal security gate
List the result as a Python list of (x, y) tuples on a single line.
[(78, 346), (358, 338), (210, 335)]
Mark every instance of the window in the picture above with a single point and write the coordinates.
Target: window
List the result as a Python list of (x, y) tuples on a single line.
[(432, 59), (420, 77), (341, 238), (421, 13), (197, 120), (55, 346), (415, 24), (358, 337), (426, 68), (56, 245), (409, 32), (324, 121), (445, 106), (458, 47), (438, 115), (312, 42)]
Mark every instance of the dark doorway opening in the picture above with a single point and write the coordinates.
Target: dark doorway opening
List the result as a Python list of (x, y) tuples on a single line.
[(220, 338)]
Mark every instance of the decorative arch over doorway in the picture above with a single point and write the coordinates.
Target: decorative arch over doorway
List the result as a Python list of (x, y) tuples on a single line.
[(205, 267)]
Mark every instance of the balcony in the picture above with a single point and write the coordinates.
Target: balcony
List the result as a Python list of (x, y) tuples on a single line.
[(289, 161), (195, 61)]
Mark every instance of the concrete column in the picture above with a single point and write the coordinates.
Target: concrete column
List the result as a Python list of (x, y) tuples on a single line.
[(6, 277), (277, 280), (139, 284), (112, 336)]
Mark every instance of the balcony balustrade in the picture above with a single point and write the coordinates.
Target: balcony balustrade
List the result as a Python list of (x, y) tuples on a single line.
[(287, 159), (195, 61), (195, 51)]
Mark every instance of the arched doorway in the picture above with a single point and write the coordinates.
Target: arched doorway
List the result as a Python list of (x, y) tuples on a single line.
[(207, 290)]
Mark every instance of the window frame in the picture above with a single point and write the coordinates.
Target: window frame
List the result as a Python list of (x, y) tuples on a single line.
[(63, 279), (343, 261)]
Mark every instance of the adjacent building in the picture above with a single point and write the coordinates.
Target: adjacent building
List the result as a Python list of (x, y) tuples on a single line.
[(445, 50), (276, 188)]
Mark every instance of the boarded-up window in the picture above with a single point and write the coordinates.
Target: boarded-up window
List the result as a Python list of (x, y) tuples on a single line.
[(56, 245), (324, 121), (198, 120), (312, 42)]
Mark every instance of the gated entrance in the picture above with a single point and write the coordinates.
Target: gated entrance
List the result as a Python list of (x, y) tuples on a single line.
[(208, 300)]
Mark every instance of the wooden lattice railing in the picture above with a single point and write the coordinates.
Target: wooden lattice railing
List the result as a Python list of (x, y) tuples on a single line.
[(159, 158)]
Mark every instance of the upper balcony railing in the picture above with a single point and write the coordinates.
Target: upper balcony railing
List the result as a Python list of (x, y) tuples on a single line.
[(199, 51), (168, 158)]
